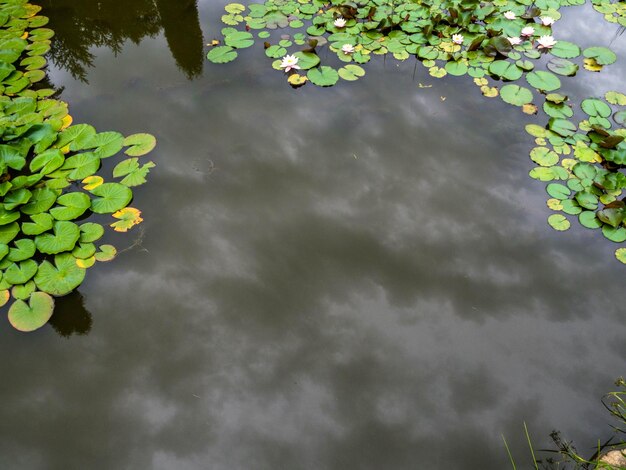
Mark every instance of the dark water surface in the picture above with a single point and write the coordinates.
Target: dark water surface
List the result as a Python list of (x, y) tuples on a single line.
[(359, 277)]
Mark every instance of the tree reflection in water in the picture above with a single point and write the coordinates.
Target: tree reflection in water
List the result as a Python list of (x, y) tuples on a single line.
[(80, 26)]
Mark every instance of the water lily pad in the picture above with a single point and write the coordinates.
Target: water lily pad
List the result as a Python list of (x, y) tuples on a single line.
[(128, 218), (90, 232), (565, 50), (106, 253), (32, 316), (72, 206), (505, 69), (65, 236), (47, 162), (615, 234), (20, 273), (239, 40), (601, 55), (620, 254), (558, 191), (222, 54), (588, 219), (307, 60), (24, 249), (323, 76), (9, 232), (23, 292), (595, 107), (42, 200), (563, 67), (544, 81), (559, 222), (516, 95), (40, 223), (616, 98), (134, 175), (139, 144), (351, 72), (111, 197), (62, 277)]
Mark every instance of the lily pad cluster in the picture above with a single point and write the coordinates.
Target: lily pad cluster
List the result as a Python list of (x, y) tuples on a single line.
[(493, 42), (50, 178), (584, 164)]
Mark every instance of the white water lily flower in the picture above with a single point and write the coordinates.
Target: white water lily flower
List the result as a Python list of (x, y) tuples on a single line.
[(546, 42), (547, 21), (509, 15), (289, 62), (340, 22), (457, 38), (528, 31), (347, 49), (515, 41)]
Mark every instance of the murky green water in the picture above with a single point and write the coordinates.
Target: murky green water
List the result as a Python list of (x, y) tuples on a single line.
[(350, 278)]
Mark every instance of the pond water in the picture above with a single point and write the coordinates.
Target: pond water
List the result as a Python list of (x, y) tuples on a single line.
[(354, 277)]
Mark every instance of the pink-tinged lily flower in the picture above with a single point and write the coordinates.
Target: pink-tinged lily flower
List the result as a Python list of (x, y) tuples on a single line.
[(509, 15), (547, 21), (516, 41), (457, 38), (347, 49), (528, 31), (546, 42), (340, 22), (289, 62)]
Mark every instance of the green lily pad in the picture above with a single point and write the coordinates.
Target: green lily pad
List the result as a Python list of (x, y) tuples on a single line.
[(615, 234), (620, 254), (565, 50), (32, 316), (111, 197), (106, 253), (72, 206), (505, 69), (24, 249), (62, 277), (239, 40), (323, 76), (40, 223), (65, 236), (516, 95), (20, 273), (139, 144), (559, 222), (602, 55), (23, 291), (134, 175), (544, 81), (9, 232), (307, 60), (563, 67), (222, 54), (41, 201), (588, 219), (351, 72), (595, 107), (90, 232)]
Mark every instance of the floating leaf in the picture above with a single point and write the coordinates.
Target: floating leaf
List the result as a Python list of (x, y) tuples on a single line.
[(620, 254), (516, 95), (32, 316), (594, 107), (616, 98), (222, 54), (601, 55), (565, 50), (559, 222), (139, 144), (106, 253), (323, 76), (92, 182), (72, 206), (111, 197), (24, 249), (134, 174), (351, 72), (62, 277), (90, 232), (129, 217), (563, 67), (65, 236), (20, 273), (544, 81)]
